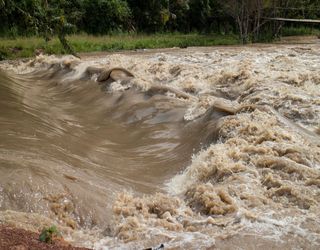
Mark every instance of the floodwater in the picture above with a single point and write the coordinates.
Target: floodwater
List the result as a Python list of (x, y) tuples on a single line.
[(203, 148)]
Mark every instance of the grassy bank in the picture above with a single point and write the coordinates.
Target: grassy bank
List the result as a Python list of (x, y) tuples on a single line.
[(26, 46), (300, 31)]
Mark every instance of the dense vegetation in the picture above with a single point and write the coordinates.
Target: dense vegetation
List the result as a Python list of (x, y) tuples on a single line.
[(30, 17), (243, 18)]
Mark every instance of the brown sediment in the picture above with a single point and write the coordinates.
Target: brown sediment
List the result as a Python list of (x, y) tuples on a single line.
[(19, 239)]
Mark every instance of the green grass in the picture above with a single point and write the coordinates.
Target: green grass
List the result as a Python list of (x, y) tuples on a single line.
[(299, 31), (26, 46)]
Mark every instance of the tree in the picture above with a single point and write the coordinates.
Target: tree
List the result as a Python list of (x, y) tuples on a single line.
[(200, 11), (105, 16), (179, 11), (247, 15), (40, 17), (151, 15)]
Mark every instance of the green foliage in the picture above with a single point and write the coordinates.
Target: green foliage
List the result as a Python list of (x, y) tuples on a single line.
[(200, 12), (38, 17), (104, 16), (48, 234), (150, 16), (179, 16)]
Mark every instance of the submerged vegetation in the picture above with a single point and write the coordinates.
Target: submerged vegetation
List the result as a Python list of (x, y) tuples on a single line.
[(49, 234), (135, 24)]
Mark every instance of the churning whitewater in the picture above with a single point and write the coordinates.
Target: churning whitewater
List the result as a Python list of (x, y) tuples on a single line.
[(194, 148)]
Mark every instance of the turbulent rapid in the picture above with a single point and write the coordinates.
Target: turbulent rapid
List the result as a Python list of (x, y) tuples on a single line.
[(191, 148)]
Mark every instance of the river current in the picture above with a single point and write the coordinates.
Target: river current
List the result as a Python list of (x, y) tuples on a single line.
[(196, 148)]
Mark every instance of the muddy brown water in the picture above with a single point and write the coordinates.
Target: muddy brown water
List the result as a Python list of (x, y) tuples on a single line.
[(204, 148), (74, 142)]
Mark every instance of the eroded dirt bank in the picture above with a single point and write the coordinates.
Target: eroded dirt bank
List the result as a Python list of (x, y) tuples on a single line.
[(20, 239)]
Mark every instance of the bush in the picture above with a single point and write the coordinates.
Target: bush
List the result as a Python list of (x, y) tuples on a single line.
[(48, 234)]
